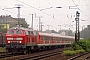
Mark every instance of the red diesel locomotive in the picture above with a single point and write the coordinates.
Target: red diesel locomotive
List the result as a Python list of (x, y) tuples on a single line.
[(24, 39)]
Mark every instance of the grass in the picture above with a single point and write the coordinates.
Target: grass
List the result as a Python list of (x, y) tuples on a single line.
[(69, 52), (2, 49)]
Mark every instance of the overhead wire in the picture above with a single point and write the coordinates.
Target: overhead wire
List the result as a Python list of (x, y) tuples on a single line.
[(49, 3), (13, 12), (33, 7), (80, 9), (8, 11), (36, 8), (5, 9), (52, 7), (61, 13)]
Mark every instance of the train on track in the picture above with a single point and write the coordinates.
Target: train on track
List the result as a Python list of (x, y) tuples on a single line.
[(26, 40)]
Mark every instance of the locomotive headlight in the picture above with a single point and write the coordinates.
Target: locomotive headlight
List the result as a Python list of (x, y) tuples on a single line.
[(20, 41), (19, 38), (8, 41)]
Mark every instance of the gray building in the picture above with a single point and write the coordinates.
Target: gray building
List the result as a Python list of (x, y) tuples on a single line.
[(10, 20)]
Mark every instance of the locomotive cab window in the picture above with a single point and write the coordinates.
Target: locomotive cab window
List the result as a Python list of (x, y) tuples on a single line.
[(32, 33), (11, 32), (18, 31)]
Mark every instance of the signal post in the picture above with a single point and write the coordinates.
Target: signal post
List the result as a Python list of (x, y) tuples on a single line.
[(77, 34)]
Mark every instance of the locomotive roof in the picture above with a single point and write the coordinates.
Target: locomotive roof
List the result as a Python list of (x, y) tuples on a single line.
[(22, 28)]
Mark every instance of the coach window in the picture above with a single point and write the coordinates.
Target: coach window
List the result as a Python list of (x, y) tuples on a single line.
[(62, 39), (49, 38), (65, 40), (54, 38), (58, 38), (41, 37), (44, 37)]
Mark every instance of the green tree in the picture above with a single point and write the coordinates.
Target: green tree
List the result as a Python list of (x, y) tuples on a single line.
[(52, 31), (24, 24), (76, 46), (2, 29)]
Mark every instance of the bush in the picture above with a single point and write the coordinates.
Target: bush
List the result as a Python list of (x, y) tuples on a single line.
[(76, 46), (88, 49), (80, 51), (69, 53), (83, 44)]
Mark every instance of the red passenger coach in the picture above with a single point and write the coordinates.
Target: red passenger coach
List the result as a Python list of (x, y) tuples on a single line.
[(52, 40)]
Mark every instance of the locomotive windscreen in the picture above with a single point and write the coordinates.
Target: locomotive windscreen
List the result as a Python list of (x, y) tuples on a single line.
[(15, 31), (10, 32), (18, 31)]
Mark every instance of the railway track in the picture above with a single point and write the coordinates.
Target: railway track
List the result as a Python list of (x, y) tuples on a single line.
[(41, 56), (84, 56), (35, 56), (8, 54), (5, 54)]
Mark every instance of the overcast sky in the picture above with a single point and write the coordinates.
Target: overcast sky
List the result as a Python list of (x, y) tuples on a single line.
[(53, 16)]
